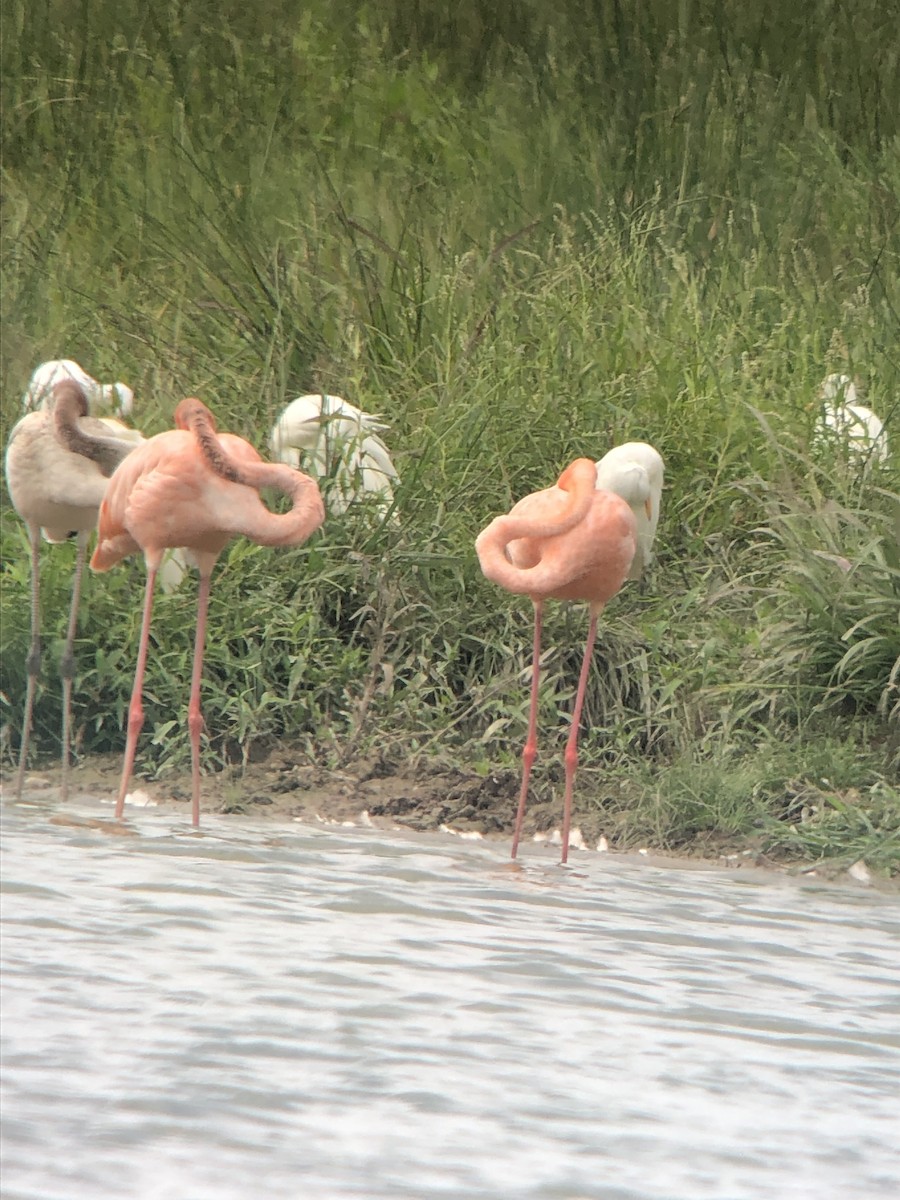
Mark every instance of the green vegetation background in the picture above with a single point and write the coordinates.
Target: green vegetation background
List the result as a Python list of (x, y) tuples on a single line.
[(521, 232)]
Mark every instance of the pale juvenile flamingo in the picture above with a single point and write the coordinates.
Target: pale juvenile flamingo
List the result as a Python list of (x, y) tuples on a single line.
[(194, 488), (340, 447), (102, 398), (567, 542), (58, 464)]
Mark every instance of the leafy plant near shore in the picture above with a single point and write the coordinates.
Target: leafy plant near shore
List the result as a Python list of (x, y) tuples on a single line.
[(833, 609), (521, 244)]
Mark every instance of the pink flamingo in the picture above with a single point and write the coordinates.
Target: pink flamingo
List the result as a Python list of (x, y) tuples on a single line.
[(196, 489), (568, 542)]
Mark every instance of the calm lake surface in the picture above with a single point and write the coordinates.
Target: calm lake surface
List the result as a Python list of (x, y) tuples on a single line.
[(286, 1011)]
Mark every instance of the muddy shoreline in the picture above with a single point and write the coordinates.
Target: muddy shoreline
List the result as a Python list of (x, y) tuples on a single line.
[(448, 801)]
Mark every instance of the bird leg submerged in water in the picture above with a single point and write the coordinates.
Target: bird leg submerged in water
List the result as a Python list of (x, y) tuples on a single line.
[(67, 662), (529, 752), (136, 705), (195, 717), (571, 755), (33, 661)]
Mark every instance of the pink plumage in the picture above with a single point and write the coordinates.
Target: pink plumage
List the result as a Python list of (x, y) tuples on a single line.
[(194, 488), (568, 542)]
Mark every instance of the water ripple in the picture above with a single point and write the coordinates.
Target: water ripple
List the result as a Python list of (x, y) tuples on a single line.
[(347, 1013)]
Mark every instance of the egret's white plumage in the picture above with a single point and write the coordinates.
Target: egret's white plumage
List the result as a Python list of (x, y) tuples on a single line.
[(117, 398), (339, 446), (634, 471), (843, 419)]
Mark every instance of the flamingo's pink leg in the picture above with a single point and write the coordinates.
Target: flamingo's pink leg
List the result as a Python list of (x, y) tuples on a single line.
[(529, 752), (136, 707), (571, 757), (195, 717)]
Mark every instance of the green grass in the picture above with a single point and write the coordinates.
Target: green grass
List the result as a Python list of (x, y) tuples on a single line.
[(520, 239), (825, 798)]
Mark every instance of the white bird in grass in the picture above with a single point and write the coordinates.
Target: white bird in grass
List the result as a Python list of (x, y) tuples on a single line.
[(117, 398), (58, 464), (634, 471), (852, 424), (338, 443)]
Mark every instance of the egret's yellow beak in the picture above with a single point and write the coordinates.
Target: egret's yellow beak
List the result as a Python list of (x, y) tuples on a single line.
[(648, 509)]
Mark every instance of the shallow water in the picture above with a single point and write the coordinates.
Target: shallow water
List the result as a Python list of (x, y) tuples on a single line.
[(316, 1013)]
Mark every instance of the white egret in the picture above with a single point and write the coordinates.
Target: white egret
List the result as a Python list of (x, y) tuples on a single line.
[(845, 420), (102, 398), (634, 471), (340, 447)]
